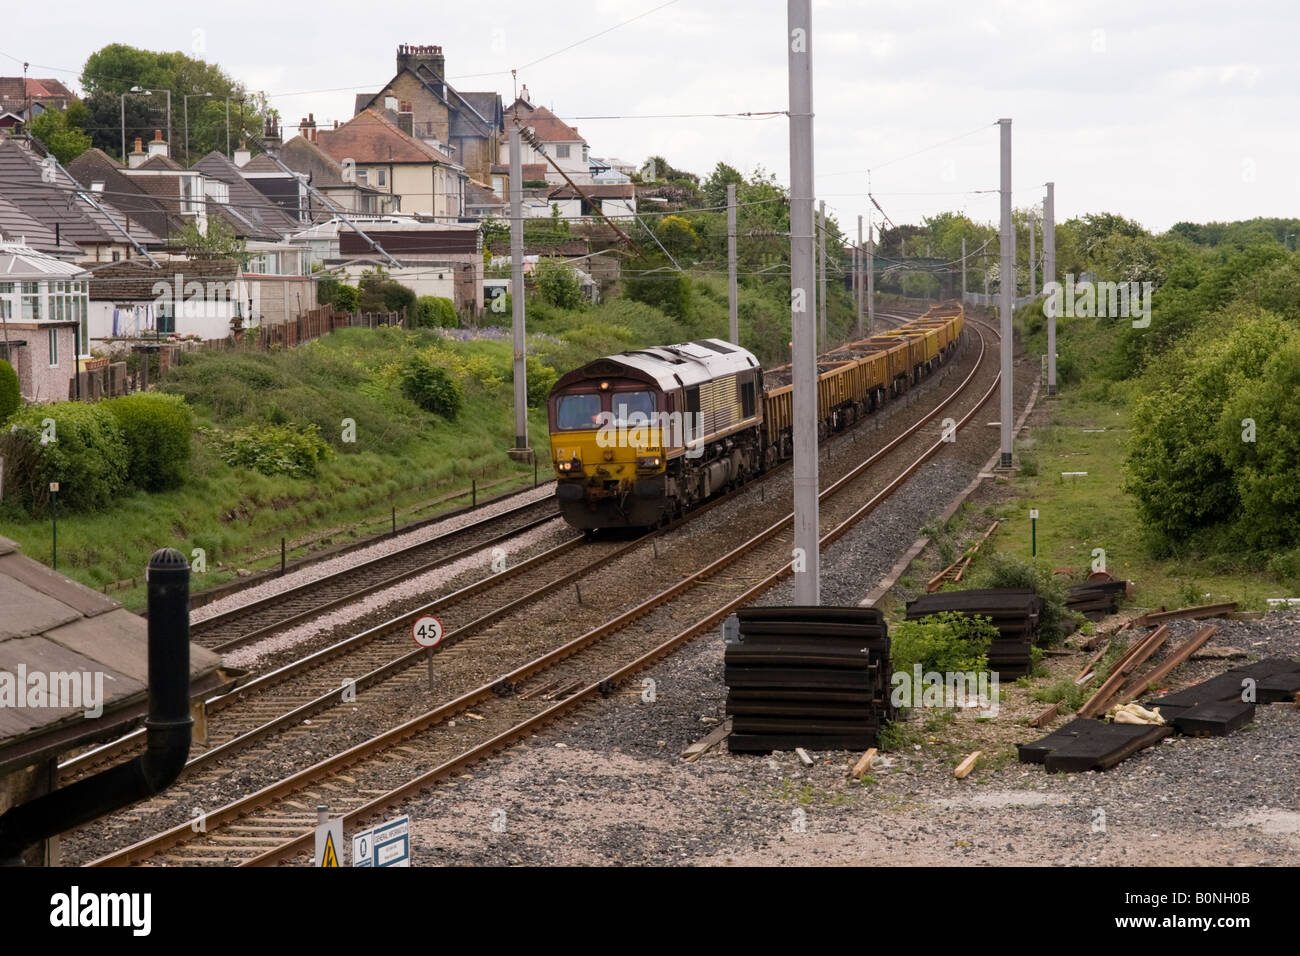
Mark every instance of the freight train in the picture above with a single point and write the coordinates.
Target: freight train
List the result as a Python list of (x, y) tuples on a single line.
[(641, 437)]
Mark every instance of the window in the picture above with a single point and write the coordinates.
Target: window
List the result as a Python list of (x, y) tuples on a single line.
[(629, 404), (748, 405), (578, 411), (381, 177), (31, 301), (363, 177), (562, 151), (54, 348)]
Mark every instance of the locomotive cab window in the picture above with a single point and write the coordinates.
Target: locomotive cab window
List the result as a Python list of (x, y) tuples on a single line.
[(574, 412), (629, 404)]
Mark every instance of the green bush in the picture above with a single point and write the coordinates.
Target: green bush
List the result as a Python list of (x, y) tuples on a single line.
[(11, 398), (347, 298), (430, 387), (670, 292), (1004, 570), (557, 284), (273, 449), (86, 456), (432, 311), (541, 379), (946, 642), (156, 429)]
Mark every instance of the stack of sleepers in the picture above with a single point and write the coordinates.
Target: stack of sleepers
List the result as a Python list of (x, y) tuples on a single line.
[(1095, 599), (1013, 611), (813, 677)]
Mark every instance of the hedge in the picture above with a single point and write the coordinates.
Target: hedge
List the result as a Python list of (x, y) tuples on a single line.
[(83, 450), (156, 429), (11, 398)]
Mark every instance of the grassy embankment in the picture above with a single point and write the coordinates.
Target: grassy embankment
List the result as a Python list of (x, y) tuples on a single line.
[(1089, 432)]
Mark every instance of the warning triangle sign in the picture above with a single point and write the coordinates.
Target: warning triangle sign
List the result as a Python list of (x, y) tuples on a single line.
[(330, 857)]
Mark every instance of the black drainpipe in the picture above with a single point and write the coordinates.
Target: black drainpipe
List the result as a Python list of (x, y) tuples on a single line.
[(167, 727)]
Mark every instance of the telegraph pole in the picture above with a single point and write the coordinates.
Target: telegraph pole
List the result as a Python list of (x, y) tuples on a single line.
[(821, 279), (517, 287), (859, 261), (733, 301), (1007, 287), (806, 559), (1049, 275)]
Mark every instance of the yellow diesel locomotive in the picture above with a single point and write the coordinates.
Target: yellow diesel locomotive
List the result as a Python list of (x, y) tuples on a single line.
[(641, 437)]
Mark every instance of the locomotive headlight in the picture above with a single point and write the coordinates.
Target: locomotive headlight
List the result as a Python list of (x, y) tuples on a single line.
[(653, 461)]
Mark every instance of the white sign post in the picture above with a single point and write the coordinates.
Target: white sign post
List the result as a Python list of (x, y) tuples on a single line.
[(388, 844), (427, 632)]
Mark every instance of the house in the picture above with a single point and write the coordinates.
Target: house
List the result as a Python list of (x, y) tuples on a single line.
[(612, 200), (465, 126), (42, 191), (181, 297), (248, 213), (604, 171), (483, 203), (557, 140), (376, 152), (16, 224), (106, 178), (43, 313), (312, 166), (24, 98), (434, 258)]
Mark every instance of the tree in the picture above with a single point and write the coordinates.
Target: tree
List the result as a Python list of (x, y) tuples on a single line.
[(61, 134), (715, 187), (557, 283), (117, 68), (219, 240)]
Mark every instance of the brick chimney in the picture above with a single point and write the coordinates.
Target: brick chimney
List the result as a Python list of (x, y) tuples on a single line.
[(271, 135), (307, 128), (158, 146), (137, 156), (413, 57)]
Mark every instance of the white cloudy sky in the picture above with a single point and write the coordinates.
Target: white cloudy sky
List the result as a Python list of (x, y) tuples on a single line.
[(1161, 110)]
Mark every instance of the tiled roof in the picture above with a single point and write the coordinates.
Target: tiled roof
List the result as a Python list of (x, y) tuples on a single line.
[(549, 128), (53, 624), (595, 191), (369, 138), (133, 281), (17, 225), (160, 162), (11, 88), (126, 193), (249, 213), (48, 203)]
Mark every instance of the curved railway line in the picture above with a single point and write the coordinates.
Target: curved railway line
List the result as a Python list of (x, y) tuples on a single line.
[(269, 825)]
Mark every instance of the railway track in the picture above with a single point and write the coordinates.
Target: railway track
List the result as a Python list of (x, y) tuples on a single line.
[(298, 691), (374, 773), (260, 617)]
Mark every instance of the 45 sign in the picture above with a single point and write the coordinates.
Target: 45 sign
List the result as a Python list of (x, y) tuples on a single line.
[(427, 631)]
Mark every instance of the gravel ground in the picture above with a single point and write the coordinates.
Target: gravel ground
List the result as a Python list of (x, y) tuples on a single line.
[(607, 785)]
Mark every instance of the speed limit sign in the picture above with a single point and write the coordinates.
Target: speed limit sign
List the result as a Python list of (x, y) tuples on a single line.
[(427, 631)]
